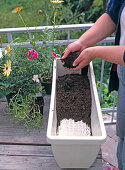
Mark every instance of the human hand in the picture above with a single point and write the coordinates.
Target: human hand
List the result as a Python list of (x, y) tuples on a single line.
[(84, 58), (75, 46)]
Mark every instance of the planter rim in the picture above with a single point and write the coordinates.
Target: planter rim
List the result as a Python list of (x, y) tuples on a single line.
[(76, 139)]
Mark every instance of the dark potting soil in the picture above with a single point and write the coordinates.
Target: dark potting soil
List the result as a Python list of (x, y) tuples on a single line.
[(68, 61), (73, 98)]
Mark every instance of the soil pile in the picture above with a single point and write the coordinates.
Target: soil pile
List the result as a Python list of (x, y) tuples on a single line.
[(68, 61)]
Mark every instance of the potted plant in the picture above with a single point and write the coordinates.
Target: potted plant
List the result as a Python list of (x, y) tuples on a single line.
[(46, 76), (73, 151), (46, 81), (19, 81), (22, 75), (46, 56)]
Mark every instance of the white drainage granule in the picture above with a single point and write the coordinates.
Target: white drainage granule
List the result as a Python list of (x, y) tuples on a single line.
[(68, 127)]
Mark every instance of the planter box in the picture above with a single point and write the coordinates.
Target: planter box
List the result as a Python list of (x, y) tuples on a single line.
[(76, 151)]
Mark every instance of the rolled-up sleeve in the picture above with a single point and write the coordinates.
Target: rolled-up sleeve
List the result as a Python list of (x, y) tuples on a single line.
[(113, 7)]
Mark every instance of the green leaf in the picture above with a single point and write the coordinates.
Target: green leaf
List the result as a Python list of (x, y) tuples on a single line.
[(32, 43), (45, 29)]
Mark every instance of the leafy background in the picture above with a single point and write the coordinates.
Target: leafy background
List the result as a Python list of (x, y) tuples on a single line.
[(92, 9)]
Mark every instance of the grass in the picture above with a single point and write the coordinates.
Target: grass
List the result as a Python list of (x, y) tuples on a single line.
[(29, 13), (65, 13)]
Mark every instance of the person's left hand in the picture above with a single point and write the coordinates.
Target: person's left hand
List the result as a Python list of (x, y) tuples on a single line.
[(84, 58)]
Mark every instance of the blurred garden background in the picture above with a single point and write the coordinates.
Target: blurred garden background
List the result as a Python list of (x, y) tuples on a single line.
[(40, 13), (71, 12)]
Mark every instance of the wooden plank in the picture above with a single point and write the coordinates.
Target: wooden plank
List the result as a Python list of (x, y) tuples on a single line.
[(27, 163), (26, 150), (15, 133), (16, 157), (35, 163), (23, 156)]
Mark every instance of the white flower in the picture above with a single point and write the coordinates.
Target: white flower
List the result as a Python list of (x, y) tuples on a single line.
[(56, 2), (2, 51), (36, 78)]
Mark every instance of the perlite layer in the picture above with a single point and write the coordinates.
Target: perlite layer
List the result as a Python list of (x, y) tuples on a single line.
[(68, 127)]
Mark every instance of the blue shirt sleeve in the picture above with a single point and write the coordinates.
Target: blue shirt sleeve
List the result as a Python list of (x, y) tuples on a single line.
[(124, 57), (113, 7)]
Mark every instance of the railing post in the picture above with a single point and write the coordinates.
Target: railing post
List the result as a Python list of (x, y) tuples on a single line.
[(50, 50), (114, 106), (101, 80), (30, 36), (10, 39), (68, 36), (0, 42)]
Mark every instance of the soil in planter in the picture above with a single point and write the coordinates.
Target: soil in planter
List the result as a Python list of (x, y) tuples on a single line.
[(73, 98), (73, 95), (68, 62)]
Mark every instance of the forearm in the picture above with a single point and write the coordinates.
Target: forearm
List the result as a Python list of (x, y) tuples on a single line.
[(102, 28), (113, 54)]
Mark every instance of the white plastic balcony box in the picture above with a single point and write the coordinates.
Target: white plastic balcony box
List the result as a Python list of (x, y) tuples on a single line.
[(76, 151)]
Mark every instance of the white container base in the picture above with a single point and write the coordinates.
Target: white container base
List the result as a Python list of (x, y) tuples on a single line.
[(76, 151), (75, 155)]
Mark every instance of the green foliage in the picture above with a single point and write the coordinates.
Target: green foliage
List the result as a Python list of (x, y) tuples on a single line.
[(69, 12), (23, 70), (95, 10), (25, 111), (30, 14), (97, 63), (17, 71), (46, 76), (106, 100), (86, 10), (7, 19)]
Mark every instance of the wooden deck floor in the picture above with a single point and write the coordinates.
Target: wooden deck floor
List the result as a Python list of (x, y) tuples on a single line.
[(22, 151)]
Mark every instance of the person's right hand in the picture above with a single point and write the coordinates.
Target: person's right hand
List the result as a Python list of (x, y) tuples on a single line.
[(75, 46)]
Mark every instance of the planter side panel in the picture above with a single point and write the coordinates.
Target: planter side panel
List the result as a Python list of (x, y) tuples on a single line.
[(75, 156), (97, 123)]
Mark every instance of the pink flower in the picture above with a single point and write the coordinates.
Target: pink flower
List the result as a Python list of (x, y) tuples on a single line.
[(54, 55), (32, 54)]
